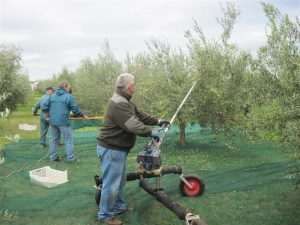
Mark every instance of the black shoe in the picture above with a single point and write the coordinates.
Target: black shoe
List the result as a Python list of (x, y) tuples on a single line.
[(98, 180), (57, 159), (43, 146), (74, 160)]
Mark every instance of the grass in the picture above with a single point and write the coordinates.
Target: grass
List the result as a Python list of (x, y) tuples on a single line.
[(246, 183), (9, 127)]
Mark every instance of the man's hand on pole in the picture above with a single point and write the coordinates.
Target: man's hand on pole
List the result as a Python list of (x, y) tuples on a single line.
[(163, 123)]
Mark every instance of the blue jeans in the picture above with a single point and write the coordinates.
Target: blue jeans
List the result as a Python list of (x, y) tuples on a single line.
[(66, 132), (113, 165)]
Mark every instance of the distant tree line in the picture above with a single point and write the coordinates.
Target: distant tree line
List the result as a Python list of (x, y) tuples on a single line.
[(236, 92)]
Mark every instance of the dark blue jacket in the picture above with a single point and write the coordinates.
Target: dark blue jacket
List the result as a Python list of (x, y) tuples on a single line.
[(59, 106), (38, 105)]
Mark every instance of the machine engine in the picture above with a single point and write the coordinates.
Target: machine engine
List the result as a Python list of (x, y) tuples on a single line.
[(149, 159)]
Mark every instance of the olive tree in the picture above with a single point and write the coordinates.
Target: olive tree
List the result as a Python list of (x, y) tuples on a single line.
[(93, 82), (164, 78), (221, 70), (55, 80), (275, 111), (14, 86)]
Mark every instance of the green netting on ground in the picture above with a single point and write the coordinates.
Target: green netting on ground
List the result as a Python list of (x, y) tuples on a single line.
[(246, 183)]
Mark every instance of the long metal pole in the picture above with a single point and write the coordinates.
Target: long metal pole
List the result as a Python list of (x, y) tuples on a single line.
[(182, 103), (176, 113)]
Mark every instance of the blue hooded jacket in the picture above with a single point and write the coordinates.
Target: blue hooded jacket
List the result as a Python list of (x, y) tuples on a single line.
[(59, 106)]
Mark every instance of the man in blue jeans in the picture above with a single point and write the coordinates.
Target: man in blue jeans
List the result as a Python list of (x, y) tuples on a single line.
[(58, 107), (122, 122)]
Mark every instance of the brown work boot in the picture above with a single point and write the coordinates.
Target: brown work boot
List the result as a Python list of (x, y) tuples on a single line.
[(113, 221)]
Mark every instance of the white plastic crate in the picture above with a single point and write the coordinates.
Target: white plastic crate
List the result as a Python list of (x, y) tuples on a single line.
[(48, 177), (27, 127)]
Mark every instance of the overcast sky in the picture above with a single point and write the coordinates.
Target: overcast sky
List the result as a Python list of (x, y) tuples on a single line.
[(59, 33)]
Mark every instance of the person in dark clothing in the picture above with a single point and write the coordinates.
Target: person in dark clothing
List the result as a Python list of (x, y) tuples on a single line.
[(44, 123), (122, 122)]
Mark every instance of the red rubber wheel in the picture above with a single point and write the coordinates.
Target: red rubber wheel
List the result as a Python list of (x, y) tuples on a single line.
[(196, 182)]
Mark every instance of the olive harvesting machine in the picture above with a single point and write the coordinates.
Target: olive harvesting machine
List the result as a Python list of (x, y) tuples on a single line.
[(150, 165)]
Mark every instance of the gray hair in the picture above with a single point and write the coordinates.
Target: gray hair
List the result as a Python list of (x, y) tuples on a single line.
[(124, 81), (64, 84)]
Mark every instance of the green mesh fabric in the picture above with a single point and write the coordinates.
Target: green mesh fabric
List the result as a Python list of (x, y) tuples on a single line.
[(77, 124), (246, 183)]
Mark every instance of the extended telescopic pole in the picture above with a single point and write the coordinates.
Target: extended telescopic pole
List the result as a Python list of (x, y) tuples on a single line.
[(158, 192), (176, 113)]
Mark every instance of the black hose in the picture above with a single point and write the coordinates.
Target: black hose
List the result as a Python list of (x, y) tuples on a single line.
[(168, 170), (173, 169), (159, 194), (162, 197), (133, 176)]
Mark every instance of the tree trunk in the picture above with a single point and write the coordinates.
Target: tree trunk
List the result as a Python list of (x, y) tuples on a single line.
[(182, 134)]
